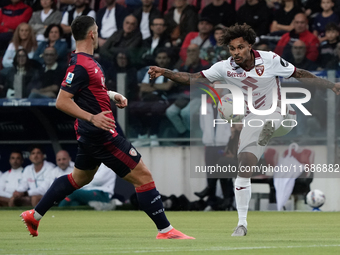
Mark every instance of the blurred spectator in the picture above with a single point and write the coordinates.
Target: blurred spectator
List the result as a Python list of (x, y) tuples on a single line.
[(256, 14), (323, 18), (35, 4), (47, 84), (159, 39), (300, 31), (81, 8), (33, 184), (155, 95), (220, 12), (274, 4), (127, 38), (133, 5), (261, 46), (283, 17), (311, 7), (145, 15), (218, 52), (10, 179), (194, 62), (42, 19), (10, 18), (66, 5), (53, 34), (97, 193), (110, 19), (64, 164), (122, 64), (182, 110), (334, 63), (181, 19), (204, 38), (17, 80), (327, 48), (299, 59), (23, 38)]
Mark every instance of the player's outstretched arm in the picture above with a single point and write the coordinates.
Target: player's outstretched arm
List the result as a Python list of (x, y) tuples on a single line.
[(180, 77), (309, 78), (66, 104)]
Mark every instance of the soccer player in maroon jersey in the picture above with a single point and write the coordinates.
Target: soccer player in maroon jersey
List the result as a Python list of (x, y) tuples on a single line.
[(259, 70), (84, 95)]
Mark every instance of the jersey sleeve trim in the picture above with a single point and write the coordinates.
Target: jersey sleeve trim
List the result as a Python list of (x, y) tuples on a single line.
[(293, 72)]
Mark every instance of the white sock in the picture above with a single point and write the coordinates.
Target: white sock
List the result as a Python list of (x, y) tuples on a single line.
[(37, 216), (242, 196), (164, 230)]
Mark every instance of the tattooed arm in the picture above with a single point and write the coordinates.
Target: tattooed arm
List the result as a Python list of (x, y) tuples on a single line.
[(309, 78), (179, 77)]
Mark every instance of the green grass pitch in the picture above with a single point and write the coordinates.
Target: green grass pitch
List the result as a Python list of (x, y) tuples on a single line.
[(132, 232)]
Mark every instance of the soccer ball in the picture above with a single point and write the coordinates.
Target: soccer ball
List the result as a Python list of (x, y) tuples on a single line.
[(316, 198), (226, 109)]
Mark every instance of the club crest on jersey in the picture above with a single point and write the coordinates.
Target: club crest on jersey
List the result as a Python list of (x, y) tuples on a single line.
[(69, 78), (259, 70), (133, 152)]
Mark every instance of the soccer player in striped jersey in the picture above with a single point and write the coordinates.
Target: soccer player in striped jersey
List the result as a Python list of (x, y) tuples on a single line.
[(84, 95)]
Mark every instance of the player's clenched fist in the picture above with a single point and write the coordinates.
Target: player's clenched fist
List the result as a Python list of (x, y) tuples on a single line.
[(336, 88), (155, 71)]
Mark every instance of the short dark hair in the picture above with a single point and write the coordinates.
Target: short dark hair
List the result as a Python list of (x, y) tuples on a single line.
[(48, 30), (18, 152), (245, 31), (219, 27), (332, 26), (36, 146), (162, 50), (157, 17), (80, 26)]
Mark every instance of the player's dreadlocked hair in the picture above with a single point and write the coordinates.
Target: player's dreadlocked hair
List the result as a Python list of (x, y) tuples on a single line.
[(245, 31)]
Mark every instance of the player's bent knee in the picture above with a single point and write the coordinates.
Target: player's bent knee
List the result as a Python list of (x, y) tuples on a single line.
[(140, 175), (83, 177)]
